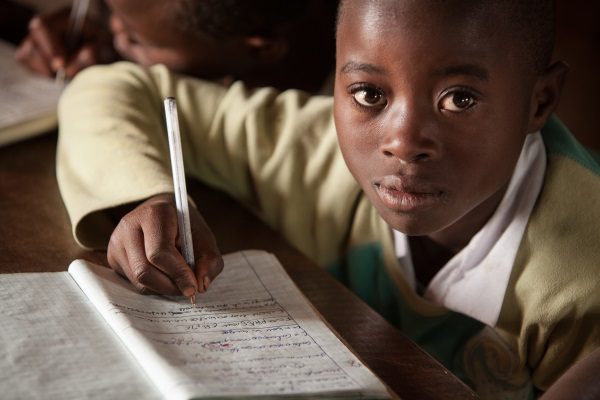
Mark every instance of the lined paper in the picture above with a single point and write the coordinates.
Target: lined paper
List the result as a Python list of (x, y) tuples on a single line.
[(252, 334), (28, 102), (54, 345)]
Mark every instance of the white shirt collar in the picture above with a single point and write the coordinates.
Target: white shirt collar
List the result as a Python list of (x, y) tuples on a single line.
[(474, 281)]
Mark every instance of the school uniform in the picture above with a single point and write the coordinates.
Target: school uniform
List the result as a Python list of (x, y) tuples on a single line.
[(508, 314)]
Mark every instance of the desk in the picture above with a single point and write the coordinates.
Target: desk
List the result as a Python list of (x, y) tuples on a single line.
[(35, 236)]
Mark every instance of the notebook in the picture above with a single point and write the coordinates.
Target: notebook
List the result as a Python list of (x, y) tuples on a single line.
[(86, 333), (28, 101)]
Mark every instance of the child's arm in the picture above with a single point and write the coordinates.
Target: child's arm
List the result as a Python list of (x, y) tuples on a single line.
[(277, 153)]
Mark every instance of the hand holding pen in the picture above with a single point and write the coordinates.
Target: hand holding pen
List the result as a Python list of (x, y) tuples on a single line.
[(156, 248), (184, 229), (72, 38), (66, 40), (145, 248)]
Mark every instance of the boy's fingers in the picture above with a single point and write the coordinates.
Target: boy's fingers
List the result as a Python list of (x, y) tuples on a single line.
[(146, 277), (28, 55), (114, 254), (160, 251), (208, 267), (25, 49), (47, 42), (142, 272), (143, 247), (172, 265), (84, 58), (116, 258), (127, 255), (209, 262)]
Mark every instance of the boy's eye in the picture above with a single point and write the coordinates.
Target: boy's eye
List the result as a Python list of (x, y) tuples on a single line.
[(368, 97), (458, 101)]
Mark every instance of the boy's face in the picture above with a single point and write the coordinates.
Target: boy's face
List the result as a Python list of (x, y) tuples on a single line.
[(146, 32), (432, 106)]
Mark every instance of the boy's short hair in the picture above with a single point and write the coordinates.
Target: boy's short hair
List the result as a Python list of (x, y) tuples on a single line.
[(532, 22), (222, 19)]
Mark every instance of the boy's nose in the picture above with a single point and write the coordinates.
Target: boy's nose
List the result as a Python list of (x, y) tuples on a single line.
[(408, 137)]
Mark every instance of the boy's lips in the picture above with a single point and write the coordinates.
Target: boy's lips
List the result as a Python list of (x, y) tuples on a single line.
[(407, 194)]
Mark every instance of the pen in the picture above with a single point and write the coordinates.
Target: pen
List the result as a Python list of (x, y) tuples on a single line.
[(181, 200), (78, 12)]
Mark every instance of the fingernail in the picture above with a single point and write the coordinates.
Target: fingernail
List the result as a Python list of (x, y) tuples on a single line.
[(84, 57), (201, 288), (35, 22), (206, 282), (56, 64), (189, 292)]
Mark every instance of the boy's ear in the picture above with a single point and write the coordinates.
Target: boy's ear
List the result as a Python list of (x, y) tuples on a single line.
[(268, 50), (546, 94)]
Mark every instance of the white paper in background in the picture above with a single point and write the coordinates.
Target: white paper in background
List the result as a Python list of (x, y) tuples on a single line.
[(27, 101), (54, 345), (252, 334)]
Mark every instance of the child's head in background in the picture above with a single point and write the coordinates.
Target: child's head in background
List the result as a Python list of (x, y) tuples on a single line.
[(433, 101), (263, 42), (285, 44)]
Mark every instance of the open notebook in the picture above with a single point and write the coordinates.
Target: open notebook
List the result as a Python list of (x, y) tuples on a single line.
[(27, 102), (86, 333)]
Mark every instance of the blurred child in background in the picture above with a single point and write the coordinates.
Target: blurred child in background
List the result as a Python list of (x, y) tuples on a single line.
[(285, 44)]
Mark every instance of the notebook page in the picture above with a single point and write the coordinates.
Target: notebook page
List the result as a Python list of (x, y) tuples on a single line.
[(54, 345), (28, 102), (252, 334)]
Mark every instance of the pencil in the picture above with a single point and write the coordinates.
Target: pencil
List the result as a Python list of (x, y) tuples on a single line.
[(181, 200), (79, 10)]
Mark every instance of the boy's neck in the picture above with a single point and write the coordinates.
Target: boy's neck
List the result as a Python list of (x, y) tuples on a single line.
[(428, 257), (430, 253), (459, 234)]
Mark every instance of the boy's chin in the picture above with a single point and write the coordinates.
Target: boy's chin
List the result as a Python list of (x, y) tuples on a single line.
[(410, 225), (416, 221)]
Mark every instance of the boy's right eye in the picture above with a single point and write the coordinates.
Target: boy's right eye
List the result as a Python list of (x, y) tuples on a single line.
[(368, 96)]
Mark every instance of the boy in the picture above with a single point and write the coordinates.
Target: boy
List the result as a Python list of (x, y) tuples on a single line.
[(444, 207), (262, 42)]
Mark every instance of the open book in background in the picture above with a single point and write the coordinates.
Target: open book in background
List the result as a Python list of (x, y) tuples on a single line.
[(86, 333), (27, 101)]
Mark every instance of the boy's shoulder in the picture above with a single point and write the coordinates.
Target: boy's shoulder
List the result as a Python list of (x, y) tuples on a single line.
[(567, 212), (560, 143), (552, 298), (556, 269)]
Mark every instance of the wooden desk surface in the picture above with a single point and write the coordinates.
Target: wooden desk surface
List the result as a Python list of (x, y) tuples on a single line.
[(35, 236)]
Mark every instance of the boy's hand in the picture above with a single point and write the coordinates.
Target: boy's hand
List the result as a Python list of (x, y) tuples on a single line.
[(44, 49), (144, 247)]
